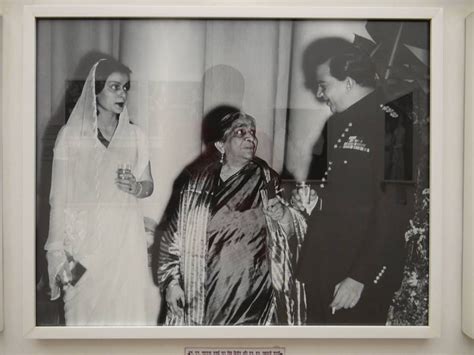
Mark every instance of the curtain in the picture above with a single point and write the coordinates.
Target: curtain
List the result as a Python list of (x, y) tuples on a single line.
[(181, 69), (185, 68), (66, 50)]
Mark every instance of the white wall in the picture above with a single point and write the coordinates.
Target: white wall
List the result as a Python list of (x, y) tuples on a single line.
[(452, 341), (1, 181)]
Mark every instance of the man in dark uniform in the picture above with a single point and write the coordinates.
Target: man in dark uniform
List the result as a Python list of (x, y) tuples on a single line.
[(352, 259)]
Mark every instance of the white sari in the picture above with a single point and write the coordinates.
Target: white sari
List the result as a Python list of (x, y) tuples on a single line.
[(99, 225)]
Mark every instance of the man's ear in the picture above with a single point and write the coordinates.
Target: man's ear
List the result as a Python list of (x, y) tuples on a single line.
[(219, 146), (349, 83)]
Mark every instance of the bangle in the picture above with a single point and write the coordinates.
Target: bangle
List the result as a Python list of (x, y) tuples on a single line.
[(139, 189), (172, 284)]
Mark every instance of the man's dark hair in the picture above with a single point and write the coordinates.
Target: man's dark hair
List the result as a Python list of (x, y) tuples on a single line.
[(105, 68), (345, 60)]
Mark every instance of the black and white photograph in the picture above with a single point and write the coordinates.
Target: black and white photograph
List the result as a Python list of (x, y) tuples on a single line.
[(232, 172)]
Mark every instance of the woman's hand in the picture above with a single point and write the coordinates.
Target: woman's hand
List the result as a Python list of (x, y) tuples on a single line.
[(175, 298), (128, 183), (280, 213), (276, 210), (64, 275)]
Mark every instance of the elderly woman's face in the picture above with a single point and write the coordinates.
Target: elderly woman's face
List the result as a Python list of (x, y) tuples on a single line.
[(240, 141), (113, 96)]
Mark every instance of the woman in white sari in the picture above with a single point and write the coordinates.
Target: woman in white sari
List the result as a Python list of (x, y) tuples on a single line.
[(96, 248)]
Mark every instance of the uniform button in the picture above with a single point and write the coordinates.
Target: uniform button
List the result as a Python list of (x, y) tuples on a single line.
[(345, 161)]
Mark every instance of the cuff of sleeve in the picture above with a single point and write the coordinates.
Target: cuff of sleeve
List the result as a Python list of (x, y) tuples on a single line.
[(359, 277), (54, 246)]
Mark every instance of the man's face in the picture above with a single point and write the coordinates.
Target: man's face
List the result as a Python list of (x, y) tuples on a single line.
[(331, 90)]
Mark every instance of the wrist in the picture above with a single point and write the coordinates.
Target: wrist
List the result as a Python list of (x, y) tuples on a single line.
[(139, 189), (173, 283), (286, 218)]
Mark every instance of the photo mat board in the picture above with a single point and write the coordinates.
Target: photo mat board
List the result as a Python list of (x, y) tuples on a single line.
[(183, 69), (1, 185), (468, 244)]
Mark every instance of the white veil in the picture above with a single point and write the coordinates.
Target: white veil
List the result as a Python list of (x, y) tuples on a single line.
[(76, 144)]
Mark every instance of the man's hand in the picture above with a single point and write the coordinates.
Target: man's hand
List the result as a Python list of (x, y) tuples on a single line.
[(346, 294), (304, 203)]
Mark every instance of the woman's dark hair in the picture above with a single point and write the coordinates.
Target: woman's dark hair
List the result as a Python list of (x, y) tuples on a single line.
[(345, 60), (212, 130), (223, 124), (105, 68)]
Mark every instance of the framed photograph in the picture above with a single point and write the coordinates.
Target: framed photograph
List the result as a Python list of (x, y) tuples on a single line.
[(468, 244), (222, 172)]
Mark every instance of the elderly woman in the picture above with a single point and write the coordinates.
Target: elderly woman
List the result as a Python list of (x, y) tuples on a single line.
[(96, 248), (229, 248)]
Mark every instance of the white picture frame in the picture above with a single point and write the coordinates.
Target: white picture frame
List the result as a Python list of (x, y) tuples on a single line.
[(1, 170), (32, 13), (468, 243)]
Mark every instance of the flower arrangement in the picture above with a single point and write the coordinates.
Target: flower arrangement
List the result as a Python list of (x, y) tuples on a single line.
[(411, 303)]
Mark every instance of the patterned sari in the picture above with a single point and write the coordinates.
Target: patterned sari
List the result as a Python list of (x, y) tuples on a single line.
[(236, 266)]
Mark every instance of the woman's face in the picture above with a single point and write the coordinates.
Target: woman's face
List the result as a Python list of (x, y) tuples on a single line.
[(240, 141), (113, 96)]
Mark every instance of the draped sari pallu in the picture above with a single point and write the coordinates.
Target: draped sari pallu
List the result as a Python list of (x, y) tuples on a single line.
[(234, 264)]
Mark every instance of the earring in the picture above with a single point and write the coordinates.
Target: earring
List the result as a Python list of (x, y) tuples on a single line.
[(221, 160)]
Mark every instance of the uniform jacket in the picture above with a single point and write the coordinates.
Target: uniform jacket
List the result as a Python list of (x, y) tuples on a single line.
[(352, 236)]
